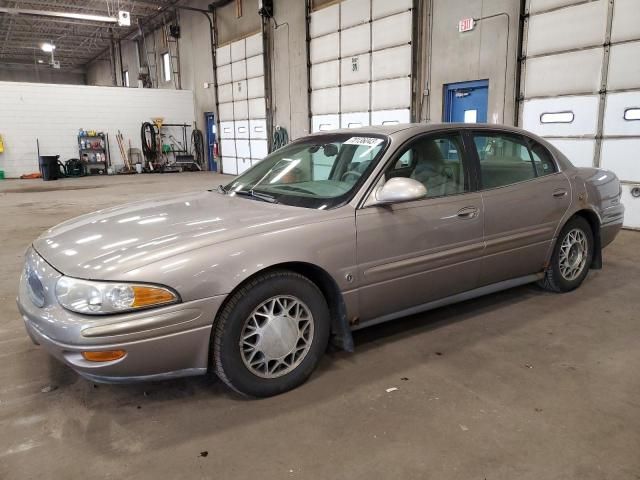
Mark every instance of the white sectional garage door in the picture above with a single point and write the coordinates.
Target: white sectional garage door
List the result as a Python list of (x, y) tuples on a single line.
[(581, 85), (360, 64), (243, 126)]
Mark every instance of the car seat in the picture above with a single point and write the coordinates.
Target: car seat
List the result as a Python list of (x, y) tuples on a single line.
[(433, 171)]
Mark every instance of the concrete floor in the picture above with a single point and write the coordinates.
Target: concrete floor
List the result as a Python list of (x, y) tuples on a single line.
[(518, 385)]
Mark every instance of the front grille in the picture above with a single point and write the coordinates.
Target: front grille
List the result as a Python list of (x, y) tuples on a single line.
[(34, 285)]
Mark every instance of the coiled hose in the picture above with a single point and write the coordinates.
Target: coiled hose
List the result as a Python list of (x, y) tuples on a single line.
[(149, 137), (197, 147)]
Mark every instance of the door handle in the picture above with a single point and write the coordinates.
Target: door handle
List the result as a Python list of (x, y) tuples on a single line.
[(467, 213), (560, 193)]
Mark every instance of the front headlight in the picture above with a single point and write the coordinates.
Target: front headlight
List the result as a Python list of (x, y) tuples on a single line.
[(98, 298)]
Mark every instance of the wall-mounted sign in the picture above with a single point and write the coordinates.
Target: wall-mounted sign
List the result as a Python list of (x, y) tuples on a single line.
[(354, 64), (466, 25)]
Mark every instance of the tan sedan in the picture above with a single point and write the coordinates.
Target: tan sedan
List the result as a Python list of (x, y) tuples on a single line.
[(331, 233)]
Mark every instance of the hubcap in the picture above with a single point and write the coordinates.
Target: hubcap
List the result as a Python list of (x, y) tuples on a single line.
[(573, 254), (277, 336)]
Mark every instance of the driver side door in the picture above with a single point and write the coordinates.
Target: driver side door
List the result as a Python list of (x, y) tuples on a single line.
[(419, 251)]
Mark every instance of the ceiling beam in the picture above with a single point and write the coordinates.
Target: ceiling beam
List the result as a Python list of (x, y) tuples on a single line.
[(35, 37), (25, 64)]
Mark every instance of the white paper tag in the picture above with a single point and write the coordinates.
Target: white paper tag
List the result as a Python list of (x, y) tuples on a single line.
[(367, 141)]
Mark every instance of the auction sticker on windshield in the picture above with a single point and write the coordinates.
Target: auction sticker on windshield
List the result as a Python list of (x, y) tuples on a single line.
[(369, 141)]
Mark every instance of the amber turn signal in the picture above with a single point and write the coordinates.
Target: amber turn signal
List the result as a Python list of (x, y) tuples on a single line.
[(107, 356), (146, 296)]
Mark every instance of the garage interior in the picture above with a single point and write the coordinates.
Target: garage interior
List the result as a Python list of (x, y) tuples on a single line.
[(519, 384)]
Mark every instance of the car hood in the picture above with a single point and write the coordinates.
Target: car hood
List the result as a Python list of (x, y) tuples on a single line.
[(110, 242)]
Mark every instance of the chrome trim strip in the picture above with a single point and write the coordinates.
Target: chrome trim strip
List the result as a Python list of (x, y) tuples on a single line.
[(501, 240), (137, 325), (425, 259)]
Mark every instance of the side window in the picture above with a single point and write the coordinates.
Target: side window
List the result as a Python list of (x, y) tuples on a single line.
[(434, 161), (542, 160), (504, 160)]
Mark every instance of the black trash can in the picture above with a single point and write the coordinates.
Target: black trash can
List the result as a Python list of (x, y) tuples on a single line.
[(49, 167)]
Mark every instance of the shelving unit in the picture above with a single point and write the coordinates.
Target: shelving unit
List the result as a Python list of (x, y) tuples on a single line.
[(94, 153)]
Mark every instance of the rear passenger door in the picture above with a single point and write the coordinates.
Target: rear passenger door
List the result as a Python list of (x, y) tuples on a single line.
[(524, 197)]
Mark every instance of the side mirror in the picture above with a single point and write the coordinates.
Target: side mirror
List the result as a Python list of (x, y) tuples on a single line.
[(399, 189)]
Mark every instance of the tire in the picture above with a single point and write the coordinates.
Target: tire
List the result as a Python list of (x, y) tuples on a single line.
[(284, 320), (567, 273)]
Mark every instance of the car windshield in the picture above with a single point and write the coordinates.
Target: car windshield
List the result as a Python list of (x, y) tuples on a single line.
[(322, 171)]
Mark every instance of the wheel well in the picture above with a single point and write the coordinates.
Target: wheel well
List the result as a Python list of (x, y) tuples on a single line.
[(594, 223), (340, 330)]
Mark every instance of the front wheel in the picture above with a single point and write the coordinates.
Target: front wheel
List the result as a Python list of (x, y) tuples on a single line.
[(271, 334), (572, 256)]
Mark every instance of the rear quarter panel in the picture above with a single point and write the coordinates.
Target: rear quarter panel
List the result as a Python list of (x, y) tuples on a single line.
[(598, 191)]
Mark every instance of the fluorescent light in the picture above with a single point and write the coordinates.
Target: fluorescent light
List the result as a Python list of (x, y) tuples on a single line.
[(50, 13), (48, 47)]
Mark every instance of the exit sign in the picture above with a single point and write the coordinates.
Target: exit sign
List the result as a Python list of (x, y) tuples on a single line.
[(466, 25)]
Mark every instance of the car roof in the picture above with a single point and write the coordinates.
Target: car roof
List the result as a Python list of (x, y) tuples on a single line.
[(404, 131), (417, 128)]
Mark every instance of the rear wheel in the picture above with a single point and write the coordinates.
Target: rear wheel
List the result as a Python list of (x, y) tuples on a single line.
[(572, 256), (271, 334)]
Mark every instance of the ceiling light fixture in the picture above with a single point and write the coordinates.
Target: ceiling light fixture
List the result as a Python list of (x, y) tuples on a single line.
[(50, 13)]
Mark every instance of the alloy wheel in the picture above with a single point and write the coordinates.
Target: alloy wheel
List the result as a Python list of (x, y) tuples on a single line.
[(574, 251)]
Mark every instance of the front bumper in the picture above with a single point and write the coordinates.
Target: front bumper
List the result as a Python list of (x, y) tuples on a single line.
[(165, 342)]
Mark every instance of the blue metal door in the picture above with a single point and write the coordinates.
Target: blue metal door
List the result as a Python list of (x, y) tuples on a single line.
[(466, 102), (211, 141)]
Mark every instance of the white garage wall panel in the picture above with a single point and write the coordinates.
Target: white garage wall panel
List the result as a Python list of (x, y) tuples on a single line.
[(55, 113), (360, 53), (594, 120), (243, 125)]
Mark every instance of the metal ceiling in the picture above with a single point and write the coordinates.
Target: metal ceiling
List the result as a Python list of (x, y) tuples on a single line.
[(77, 41)]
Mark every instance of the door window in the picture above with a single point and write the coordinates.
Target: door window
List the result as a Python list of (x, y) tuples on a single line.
[(542, 160), (434, 161), (504, 160)]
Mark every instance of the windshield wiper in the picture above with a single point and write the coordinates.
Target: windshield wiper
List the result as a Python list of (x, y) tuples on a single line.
[(257, 195), (221, 189)]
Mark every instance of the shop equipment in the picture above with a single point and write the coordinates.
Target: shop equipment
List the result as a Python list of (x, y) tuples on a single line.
[(93, 147)]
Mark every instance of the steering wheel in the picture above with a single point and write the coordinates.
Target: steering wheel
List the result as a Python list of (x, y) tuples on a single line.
[(353, 173)]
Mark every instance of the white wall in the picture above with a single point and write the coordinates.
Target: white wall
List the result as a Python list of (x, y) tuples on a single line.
[(55, 113)]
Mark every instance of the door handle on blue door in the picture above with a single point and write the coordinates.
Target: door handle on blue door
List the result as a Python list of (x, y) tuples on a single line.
[(467, 213), (560, 193)]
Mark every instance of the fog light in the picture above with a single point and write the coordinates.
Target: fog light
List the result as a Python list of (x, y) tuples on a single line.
[(107, 356)]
